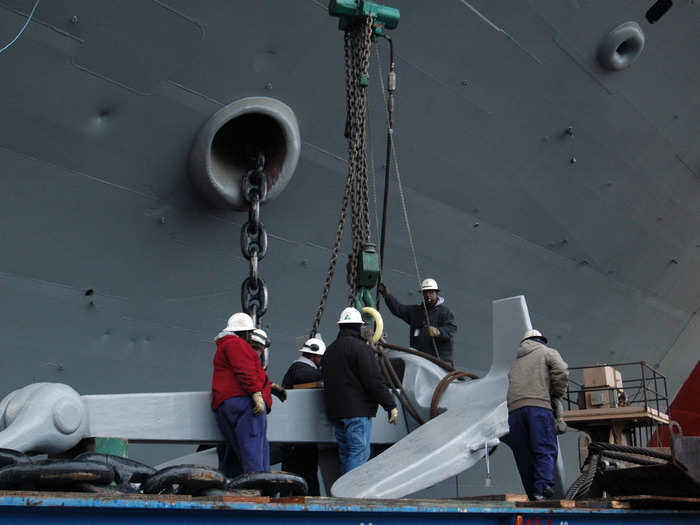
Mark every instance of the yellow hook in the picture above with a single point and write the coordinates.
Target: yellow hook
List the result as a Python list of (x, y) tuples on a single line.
[(378, 323)]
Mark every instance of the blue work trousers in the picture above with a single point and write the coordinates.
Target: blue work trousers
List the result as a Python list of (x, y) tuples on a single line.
[(245, 433), (353, 437), (533, 439)]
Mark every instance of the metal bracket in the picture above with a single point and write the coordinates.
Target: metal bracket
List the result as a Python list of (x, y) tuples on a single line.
[(348, 11)]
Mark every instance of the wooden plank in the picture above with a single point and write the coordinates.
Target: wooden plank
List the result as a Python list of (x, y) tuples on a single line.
[(301, 500), (591, 416), (495, 497), (548, 504), (233, 498), (600, 504), (659, 502)]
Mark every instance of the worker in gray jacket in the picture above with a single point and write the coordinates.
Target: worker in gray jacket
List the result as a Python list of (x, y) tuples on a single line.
[(538, 376)]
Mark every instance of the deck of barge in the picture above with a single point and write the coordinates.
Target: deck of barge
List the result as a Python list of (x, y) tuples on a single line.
[(77, 508)]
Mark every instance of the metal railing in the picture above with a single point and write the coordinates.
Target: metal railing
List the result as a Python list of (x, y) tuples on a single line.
[(640, 385)]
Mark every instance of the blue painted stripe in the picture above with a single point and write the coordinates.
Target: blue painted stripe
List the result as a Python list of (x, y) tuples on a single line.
[(77, 509)]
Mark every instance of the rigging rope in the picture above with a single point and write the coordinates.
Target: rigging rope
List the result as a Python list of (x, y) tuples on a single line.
[(404, 209)]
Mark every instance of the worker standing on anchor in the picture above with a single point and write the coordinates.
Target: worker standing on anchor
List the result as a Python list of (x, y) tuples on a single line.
[(432, 324), (538, 375), (241, 395), (352, 388)]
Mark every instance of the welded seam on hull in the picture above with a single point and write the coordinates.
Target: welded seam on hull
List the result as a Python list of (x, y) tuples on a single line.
[(325, 151), (24, 279), (200, 26), (108, 79), (500, 30), (195, 92), (319, 4), (80, 173)]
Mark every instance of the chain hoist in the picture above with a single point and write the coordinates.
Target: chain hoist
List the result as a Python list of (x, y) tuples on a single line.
[(254, 241), (360, 20), (358, 37)]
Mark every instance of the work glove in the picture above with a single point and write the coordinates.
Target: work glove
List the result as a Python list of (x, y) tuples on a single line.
[(558, 413), (279, 391), (258, 403), (382, 289), (432, 331), (393, 416)]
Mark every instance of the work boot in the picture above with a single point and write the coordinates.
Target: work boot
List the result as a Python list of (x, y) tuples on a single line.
[(547, 493)]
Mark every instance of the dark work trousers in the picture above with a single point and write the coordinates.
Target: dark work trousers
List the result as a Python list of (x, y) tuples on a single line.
[(229, 463), (245, 433), (533, 439), (302, 459)]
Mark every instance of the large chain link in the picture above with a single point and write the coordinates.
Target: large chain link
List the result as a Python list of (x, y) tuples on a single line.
[(254, 242), (358, 39), (114, 476)]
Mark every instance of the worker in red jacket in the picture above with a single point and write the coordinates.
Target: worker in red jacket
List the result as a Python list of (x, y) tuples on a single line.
[(241, 396)]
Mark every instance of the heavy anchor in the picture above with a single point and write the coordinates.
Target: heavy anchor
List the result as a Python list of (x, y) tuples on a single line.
[(53, 418)]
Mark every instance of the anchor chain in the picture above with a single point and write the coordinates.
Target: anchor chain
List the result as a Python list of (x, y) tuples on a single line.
[(357, 38), (254, 295), (113, 475)]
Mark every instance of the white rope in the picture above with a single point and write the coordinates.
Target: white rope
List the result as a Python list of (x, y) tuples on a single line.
[(29, 19), (403, 203), (398, 178)]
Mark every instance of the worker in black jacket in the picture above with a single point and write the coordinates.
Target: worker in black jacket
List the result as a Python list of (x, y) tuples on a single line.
[(430, 335), (302, 458), (353, 387)]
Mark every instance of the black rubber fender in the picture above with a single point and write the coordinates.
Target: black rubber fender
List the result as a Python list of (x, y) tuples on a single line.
[(125, 470), (190, 478), (271, 483), (13, 457), (54, 474)]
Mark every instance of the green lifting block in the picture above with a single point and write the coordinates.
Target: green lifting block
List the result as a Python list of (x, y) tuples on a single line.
[(368, 267), (349, 10)]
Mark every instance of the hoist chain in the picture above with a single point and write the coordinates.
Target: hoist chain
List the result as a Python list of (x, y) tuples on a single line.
[(333, 261), (254, 242), (357, 53)]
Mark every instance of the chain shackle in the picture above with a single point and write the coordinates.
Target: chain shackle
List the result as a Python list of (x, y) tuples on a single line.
[(254, 182), (253, 241), (254, 297)]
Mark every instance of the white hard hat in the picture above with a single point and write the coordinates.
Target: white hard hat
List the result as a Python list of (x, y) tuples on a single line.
[(259, 336), (533, 333), (314, 346), (350, 316), (240, 322), (429, 284)]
